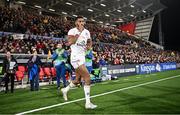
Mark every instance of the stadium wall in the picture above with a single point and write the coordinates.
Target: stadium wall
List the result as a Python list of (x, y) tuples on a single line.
[(118, 70), (158, 67), (134, 69), (178, 65)]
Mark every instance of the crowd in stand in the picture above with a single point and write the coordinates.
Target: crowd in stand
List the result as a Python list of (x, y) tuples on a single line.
[(25, 21), (29, 22), (111, 46), (24, 46), (129, 54)]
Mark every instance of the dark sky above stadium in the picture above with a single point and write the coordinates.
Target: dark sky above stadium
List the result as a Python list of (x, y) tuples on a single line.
[(171, 24)]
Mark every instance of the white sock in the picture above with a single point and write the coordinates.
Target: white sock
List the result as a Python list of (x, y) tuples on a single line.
[(71, 85), (87, 93)]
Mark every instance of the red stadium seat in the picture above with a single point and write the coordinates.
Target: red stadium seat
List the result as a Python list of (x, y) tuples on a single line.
[(53, 71), (21, 68), (47, 72), (67, 75), (41, 74), (19, 75)]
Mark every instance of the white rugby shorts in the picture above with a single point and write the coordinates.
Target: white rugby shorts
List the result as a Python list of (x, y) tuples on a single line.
[(77, 61)]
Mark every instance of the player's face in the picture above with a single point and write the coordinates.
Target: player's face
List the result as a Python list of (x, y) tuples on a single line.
[(80, 22)]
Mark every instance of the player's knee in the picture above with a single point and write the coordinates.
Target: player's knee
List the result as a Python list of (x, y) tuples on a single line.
[(76, 82), (87, 81)]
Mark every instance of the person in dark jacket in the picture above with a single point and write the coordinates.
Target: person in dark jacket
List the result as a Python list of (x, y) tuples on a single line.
[(9, 69), (34, 64)]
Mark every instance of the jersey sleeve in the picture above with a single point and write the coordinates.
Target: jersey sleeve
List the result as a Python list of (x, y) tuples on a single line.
[(71, 32)]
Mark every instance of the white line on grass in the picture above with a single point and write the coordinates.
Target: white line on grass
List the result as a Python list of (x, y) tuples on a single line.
[(102, 94), (116, 81), (105, 83), (153, 74)]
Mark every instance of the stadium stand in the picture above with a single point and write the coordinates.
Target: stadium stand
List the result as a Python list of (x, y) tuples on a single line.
[(111, 46), (120, 31)]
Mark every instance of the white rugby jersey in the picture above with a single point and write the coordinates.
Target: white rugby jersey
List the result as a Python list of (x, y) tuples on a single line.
[(79, 47)]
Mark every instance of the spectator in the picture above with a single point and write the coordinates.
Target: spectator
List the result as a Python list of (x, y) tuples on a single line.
[(59, 59), (9, 69), (34, 64)]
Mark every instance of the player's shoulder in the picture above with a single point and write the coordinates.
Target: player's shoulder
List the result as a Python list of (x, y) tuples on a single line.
[(86, 31), (73, 29)]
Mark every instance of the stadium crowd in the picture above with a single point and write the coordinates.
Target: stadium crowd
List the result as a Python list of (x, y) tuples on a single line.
[(111, 46), (29, 22), (129, 52), (44, 34)]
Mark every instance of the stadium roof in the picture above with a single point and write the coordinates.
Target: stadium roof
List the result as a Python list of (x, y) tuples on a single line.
[(103, 11)]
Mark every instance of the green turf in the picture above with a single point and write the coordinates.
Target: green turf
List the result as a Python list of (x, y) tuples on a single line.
[(156, 98)]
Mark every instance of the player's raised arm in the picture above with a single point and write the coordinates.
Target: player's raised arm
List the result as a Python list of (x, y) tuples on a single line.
[(72, 37)]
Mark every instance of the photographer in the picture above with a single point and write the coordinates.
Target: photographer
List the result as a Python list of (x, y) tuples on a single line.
[(9, 69)]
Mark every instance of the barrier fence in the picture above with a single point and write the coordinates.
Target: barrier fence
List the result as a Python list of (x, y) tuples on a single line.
[(133, 69)]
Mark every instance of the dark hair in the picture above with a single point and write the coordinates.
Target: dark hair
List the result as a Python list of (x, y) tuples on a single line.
[(78, 17)]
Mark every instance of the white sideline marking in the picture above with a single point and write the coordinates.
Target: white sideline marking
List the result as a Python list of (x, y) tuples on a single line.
[(102, 94), (126, 79), (116, 81), (45, 88), (153, 74), (105, 83)]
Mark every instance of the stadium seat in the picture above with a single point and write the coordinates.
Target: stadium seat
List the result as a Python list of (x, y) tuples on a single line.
[(41, 74), (21, 68), (53, 71), (19, 75), (47, 72), (67, 75)]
